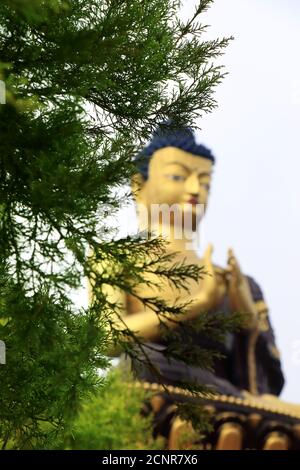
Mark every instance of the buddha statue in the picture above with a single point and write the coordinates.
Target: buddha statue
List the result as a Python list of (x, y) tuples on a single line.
[(174, 171)]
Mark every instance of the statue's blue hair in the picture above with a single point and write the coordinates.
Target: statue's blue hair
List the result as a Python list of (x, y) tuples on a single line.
[(182, 138)]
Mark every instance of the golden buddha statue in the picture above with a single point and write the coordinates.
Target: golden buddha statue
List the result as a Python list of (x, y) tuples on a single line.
[(175, 172)]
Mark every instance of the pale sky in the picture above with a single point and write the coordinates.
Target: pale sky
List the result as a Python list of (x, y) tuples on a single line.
[(255, 197)]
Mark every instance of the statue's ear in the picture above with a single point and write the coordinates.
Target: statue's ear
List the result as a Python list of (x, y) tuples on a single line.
[(137, 183)]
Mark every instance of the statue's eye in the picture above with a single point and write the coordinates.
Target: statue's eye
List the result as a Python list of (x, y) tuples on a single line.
[(176, 177), (205, 186)]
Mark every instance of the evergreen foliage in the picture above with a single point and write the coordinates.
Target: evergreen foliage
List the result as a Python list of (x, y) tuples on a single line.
[(112, 419)]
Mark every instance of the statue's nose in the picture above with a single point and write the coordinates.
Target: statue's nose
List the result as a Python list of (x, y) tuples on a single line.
[(192, 185)]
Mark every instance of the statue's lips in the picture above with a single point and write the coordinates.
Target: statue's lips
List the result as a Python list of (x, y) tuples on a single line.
[(193, 201)]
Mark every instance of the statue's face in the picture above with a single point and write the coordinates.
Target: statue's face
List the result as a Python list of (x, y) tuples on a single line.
[(176, 177)]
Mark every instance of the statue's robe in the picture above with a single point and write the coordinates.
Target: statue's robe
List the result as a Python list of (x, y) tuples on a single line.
[(232, 373)]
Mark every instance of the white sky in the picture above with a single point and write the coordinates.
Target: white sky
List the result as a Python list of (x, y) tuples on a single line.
[(254, 134)]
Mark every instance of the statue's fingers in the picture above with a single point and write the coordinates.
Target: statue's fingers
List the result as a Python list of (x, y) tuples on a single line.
[(208, 254), (232, 261), (236, 272), (231, 257), (208, 259)]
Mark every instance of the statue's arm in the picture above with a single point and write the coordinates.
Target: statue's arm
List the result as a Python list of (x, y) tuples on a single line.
[(145, 323)]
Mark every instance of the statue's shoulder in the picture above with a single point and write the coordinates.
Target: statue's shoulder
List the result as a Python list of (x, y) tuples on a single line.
[(255, 288)]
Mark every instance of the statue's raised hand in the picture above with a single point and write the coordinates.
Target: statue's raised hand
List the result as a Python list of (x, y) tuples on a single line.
[(239, 292), (210, 283)]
